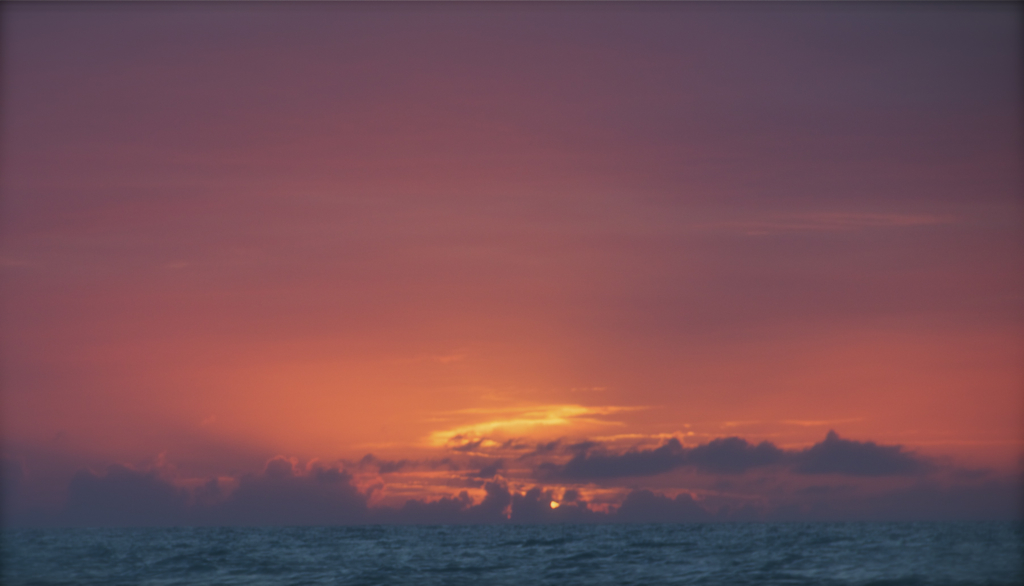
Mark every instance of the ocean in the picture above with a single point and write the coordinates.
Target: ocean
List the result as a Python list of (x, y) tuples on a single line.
[(742, 553)]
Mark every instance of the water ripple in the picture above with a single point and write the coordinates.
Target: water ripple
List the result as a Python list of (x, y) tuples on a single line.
[(851, 554)]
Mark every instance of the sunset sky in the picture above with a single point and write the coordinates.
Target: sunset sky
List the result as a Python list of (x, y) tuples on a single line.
[(342, 262)]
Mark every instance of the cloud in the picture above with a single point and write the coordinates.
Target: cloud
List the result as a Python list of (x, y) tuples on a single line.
[(734, 455), (384, 466), (123, 497), (586, 465), (12, 480), (281, 495), (11, 475), (499, 505), (835, 479), (993, 499), (534, 506), (489, 470), (494, 508), (518, 421), (459, 443), (497, 499), (731, 455), (418, 512), (543, 448), (644, 506), (835, 455)]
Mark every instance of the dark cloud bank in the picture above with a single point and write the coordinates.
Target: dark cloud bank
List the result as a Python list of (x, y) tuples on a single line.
[(323, 495), (733, 455)]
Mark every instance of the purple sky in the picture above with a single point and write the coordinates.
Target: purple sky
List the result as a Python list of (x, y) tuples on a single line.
[(236, 235)]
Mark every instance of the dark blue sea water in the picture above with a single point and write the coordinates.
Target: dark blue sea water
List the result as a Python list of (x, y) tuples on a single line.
[(755, 553)]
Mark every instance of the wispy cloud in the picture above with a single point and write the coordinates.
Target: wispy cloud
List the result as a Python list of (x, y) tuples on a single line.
[(507, 422)]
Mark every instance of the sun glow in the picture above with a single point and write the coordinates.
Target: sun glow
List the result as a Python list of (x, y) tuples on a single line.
[(517, 421)]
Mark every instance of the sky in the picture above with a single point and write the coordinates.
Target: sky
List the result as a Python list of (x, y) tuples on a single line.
[(320, 263)]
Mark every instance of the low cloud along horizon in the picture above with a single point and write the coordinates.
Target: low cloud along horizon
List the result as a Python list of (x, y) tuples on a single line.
[(518, 482)]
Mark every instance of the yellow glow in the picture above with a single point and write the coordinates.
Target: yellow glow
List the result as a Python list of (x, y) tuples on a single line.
[(520, 420), (554, 505)]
